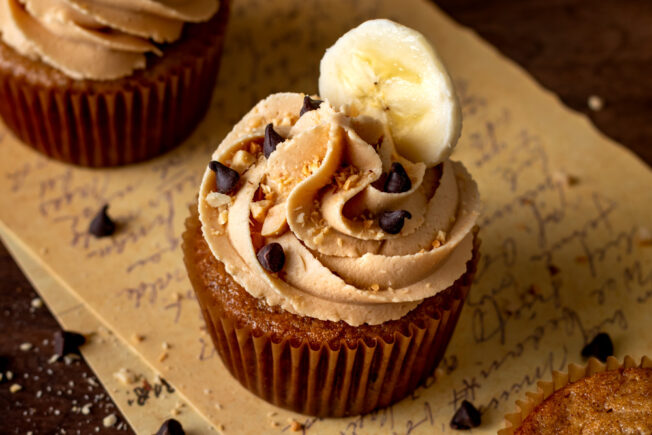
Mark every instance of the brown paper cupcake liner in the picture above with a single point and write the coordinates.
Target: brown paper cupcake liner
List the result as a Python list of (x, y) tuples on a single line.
[(100, 124), (561, 379), (330, 379)]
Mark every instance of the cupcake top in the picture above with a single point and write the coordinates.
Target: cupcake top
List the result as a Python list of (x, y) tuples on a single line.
[(321, 195), (97, 39), (614, 401), (348, 208)]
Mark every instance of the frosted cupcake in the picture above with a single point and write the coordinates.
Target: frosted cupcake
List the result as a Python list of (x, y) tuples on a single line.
[(331, 252), (104, 83)]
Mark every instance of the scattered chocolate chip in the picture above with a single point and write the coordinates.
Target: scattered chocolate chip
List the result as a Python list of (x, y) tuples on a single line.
[(392, 221), (553, 270), (271, 257), (600, 347), (66, 342), (102, 225), (171, 427), (397, 179), (272, 138), (309, 104), (225, 178), (466, 417)]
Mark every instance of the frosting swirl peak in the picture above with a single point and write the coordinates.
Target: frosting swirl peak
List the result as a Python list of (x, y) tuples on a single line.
[(319, 195), (97, 39)]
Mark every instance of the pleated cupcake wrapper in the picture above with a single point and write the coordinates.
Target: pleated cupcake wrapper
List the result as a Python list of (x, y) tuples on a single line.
[(559, 380), (336, 381), (117, 127)]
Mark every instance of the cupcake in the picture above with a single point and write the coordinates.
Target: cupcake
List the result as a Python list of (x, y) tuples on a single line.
[(599, 398), (331, 250), (99, 83)]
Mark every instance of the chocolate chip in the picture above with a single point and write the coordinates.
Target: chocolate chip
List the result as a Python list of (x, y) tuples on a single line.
[(600, 347), (225, 178), (102, 225), (171, 427), (392, 221), (271, 257), (466, 417), (397, 179), (66, 342), (309, 104), (272, 138)]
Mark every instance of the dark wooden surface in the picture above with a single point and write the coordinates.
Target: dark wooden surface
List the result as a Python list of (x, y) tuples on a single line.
[(576, 48)]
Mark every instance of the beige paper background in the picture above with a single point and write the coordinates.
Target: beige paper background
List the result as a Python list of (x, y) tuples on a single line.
[(518, 141)]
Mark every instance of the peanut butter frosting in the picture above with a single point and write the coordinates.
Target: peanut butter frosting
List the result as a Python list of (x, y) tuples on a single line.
[(319, 195), (97, 39)]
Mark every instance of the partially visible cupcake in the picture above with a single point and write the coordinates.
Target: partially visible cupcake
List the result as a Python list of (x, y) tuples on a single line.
[(330, 268), (100, 83), (598, 398)]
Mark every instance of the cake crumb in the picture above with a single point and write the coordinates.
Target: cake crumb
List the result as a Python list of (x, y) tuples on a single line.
[(374, 287), (86, 409), (165, 345), (644, 236), (15, 388), (109, 420), (137, 338), (162, 357), (218, 405), (125, 376), (26, 346), (595, 103), (272, 414), (36, 303), (296, 426), (9, 374)]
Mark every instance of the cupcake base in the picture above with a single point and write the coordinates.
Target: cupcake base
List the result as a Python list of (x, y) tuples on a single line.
[(115, 122), (318, 367)]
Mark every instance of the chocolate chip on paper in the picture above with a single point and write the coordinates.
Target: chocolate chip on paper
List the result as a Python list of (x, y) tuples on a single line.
[(466, 417), (66, 342), (397, 179), (225, 178), (309, 104), (392, 221), (171, 427), (600, 347), (102, 225), (271, 257), (272, 139)]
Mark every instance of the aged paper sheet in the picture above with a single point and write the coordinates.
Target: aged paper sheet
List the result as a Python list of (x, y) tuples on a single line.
[(565, 230)]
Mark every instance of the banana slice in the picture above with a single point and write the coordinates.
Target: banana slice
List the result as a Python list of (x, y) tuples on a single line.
[(390, 72)]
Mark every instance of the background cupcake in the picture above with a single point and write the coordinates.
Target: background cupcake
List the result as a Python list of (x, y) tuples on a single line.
[(611, 397), (99, 84), (331, 269)]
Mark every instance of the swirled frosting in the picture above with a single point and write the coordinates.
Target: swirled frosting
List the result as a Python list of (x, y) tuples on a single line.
[(97, 39), (317, 196)]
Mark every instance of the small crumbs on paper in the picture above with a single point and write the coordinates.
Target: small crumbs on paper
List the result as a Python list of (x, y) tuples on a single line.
[(296, 426), (162, 357), (595, 103), (109, 420), (125, 376), (26, 346), (272, 414), (137, 338), (165, 345), (15, 388), (36, 303), (644, 236), (218, 405)]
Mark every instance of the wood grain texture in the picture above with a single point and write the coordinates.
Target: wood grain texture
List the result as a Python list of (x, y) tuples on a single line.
[(575, 48)]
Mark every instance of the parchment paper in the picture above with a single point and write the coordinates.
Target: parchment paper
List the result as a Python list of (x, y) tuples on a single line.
[(565, 231)]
